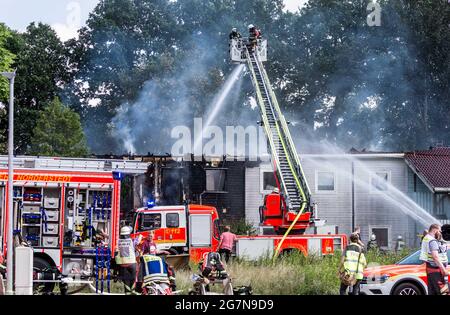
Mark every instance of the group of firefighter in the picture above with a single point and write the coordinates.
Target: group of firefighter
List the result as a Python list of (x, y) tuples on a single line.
[(142, 268), (254, 34), (433, 253)]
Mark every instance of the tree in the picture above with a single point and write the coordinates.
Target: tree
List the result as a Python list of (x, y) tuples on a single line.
[(6, 60), (41, 62), (58, 132), (149, 64)]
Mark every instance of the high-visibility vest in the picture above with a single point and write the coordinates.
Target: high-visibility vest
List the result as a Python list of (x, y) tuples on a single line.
[(355, 261), (155, 269), (126, 254), (425, 254)]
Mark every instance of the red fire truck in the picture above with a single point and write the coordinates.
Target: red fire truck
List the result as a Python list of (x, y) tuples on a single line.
[(63, 208), (193, 230)]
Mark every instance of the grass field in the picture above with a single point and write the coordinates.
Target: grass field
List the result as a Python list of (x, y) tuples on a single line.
[(293, 274), (290, 275)]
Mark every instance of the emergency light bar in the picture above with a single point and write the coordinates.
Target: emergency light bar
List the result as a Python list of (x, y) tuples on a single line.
[(117, 175)]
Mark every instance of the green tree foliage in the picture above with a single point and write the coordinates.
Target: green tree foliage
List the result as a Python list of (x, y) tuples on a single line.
[(6, 60), (140, 67), (42, 66), (338, 78), (58, 132), (381, 87)]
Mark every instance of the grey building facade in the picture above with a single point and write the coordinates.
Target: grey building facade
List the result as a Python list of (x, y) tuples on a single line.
[(350, 190)]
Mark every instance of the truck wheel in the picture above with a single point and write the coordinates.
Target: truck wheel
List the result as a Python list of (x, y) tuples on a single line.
[(41, 265), (407, 289), (290, 252)]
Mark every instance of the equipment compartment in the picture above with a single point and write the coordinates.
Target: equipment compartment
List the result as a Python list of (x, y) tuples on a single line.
[(32, 209), (52, 216), (31, 218), (51, 203), (32, 234), (50, 241), (50, 229)]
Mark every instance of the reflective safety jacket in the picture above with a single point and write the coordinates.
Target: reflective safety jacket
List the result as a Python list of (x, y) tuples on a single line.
[(425, 254), (126, 254), (355, 261), (154, 269)]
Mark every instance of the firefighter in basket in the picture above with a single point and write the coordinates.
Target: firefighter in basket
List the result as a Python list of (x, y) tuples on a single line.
[(254, 36)]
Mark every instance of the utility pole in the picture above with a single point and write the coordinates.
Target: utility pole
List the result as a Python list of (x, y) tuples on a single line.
[(10, 247)]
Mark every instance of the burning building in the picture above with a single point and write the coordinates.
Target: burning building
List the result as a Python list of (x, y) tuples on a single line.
[(386, 194)]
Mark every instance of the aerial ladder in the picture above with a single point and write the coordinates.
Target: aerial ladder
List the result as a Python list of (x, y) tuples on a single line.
[(288, 210)]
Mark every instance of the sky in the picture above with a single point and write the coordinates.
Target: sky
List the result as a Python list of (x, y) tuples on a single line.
[(65, 16)]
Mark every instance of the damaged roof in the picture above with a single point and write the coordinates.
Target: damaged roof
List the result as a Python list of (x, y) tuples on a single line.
[(432, 166)]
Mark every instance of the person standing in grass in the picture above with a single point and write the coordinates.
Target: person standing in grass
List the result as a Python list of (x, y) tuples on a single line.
[(352, 265), (125, 259), (227, 240), (436, 267)]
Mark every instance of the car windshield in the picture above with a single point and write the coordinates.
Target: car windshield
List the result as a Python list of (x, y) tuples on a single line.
[(413, 259)]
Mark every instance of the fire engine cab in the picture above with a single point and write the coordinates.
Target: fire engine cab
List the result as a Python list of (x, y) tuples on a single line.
[(189, 229)]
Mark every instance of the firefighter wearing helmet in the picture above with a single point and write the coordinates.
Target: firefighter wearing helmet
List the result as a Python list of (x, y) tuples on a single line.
[(372, 244), (235, 34), (254, 35), (126, 259)]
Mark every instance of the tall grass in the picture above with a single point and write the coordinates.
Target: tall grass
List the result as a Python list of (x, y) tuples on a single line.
[(293, 274)]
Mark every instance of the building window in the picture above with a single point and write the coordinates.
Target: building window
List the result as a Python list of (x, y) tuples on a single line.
[(172, 220), (215, 180), (382, 234), (150, 222), (325, 181), (380, 181), (269, 181)]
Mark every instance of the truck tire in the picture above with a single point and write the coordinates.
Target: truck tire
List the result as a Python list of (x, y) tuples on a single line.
[(407, 288), (41, 265), (289, 252)]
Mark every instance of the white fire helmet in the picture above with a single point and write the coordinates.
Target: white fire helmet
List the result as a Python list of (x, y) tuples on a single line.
[(276, 190), (373, 237), (251, 26), (126, 230), (234, 29)]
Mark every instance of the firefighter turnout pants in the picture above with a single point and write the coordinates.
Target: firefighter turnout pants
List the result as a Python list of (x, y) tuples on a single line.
[(436, 280), (127, 274)]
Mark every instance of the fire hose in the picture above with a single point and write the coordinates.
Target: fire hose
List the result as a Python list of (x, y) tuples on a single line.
[(277, 250)]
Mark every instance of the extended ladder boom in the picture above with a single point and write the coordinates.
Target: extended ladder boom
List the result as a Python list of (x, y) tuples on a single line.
[(284, 154)]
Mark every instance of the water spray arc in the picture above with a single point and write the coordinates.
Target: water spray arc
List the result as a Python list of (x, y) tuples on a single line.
[(392, 195), (217, 105)]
